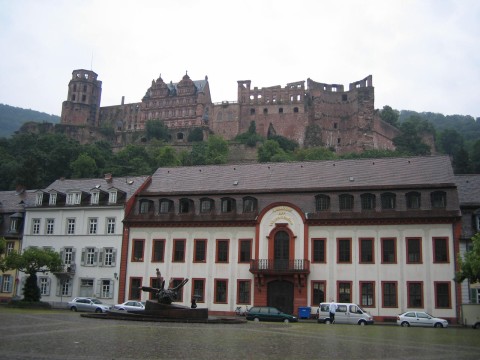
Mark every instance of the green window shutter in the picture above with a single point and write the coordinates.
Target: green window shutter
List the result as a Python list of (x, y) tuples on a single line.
[(114, 257), (100, 257), (82, 260), (98, 289)]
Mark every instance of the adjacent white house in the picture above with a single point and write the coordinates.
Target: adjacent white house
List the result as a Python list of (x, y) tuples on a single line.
[(82, 220)]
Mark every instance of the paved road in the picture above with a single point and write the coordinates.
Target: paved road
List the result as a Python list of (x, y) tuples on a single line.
[(59, 334)]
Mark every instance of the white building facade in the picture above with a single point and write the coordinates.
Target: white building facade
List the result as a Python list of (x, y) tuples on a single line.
[(382, 233)]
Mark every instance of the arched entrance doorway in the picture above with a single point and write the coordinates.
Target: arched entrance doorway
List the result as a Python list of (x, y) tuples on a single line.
[(280, 295)]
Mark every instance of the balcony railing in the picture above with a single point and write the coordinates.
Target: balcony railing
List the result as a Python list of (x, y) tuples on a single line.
[(269, 266)]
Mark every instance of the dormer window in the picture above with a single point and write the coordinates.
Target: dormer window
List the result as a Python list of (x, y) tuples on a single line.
[(112, 197), (74, 198), (166, 206), (249, 204), (53, 199), (39, 199), (206, 205), (185, 206), (146, 206), (94, 198), (228, 205), (439, 199), (413, 200)]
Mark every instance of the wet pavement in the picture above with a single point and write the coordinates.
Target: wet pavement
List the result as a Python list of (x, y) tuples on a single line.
[(60, 334)]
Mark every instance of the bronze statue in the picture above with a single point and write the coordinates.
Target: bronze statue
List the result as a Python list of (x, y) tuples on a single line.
[(164, 296)]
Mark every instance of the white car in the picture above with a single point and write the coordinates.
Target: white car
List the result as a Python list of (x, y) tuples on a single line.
[(420, 318), (130, 305)]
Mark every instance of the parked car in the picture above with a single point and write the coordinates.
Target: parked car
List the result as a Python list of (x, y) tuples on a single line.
[(346, 313), (88, 304), (130, 305), (420, 318), (268, 313)]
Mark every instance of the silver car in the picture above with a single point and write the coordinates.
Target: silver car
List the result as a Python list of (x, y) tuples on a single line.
[(88, 304), (130, 305), (420, 318)]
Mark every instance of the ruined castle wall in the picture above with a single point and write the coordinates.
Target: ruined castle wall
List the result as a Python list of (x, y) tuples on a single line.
[(225, 120)]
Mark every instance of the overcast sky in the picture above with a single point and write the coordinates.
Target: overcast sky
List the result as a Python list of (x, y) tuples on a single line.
[(423, 55)]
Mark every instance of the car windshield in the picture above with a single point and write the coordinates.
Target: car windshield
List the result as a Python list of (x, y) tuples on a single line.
[(95, 301)]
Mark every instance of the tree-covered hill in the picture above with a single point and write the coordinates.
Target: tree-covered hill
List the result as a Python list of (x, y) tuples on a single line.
[(12, 118)]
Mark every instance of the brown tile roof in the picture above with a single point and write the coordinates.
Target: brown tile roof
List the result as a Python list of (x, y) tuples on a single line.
[(468, 189), (331, 174)]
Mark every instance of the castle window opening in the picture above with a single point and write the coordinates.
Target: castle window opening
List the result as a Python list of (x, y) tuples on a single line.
[(84, 98), (295, 109), (180, 136), (334, 89), (74, 87), (252, 111), (84, 88), (335, 125), (298, 97), (73, 97), (252, 97), (265, 111), (280, 110), (357, 86), (338, 141), (291, 98), (344, 97)]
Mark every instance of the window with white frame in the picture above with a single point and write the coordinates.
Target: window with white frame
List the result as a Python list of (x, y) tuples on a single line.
[(70, 226), (107, 257), (89, 256), (92, 226), (68, 255), (94, 198), (74, 198), (7, 283), (105, 288), (35, 226), (9, 247), (64, 287), (50, 226), (39, 199), (112, 198), (53, 199), (44, 285), (14, 224), (110, 225)]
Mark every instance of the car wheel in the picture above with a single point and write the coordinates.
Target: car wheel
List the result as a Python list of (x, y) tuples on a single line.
[(328, 321), (477, 326), (98, 310), (362, 323), (286, 321), (405, 324), (256, 319), (73, 308), (438, 325)]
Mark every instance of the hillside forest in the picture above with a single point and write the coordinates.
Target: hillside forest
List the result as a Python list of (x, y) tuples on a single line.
[(36, 160)]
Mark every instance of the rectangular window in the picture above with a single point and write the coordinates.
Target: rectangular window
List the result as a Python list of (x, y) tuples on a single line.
[(112, 197), (198, 289), (44, 285), (7, 283), (389, 294), (414, 250), (389, 255), (221, 291), (245, 250), (68, 254), (89, 256), (135, 289), (13, 224), (243, 291), (108, 257), (50, 226), (35, 226), (344, 250), (200, 252), (94, 198), (92, 226), (442, 295), (64, 287), (53, 199), (137, 253), (70, 226), (106, 289), (344, 290), (175, 283), (440, 250), (318, 250), (367, 293), (158, 251), (415, 294), (110, 226), (222, 251), (39, 199), (74, 198), (9, 247), (178, 250), (366, 251), (318, 292)]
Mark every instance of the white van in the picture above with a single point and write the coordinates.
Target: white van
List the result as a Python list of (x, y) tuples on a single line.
[(346, 313)]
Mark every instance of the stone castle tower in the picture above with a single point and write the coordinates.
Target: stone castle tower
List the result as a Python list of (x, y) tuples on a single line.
[(343, 120)]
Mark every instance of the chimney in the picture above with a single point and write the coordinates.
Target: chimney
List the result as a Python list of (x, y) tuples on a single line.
[(123, 100), (108, 177)]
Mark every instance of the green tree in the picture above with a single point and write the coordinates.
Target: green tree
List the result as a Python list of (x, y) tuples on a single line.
[(410, 141), (461, 162), (195, 135), (390, 115), (156, 129), (286, 144), (132, 160), (314, 153), (270, 150), (198, 155), (217, 150), (32, 261), (450, 141), (250, 137), (476, 157), (470, 263), (167, 157), (84, 167)]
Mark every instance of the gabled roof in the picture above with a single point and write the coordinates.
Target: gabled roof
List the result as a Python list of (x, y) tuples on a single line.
[(128, 184), (468, 189), (308, 175), (14, 201)]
